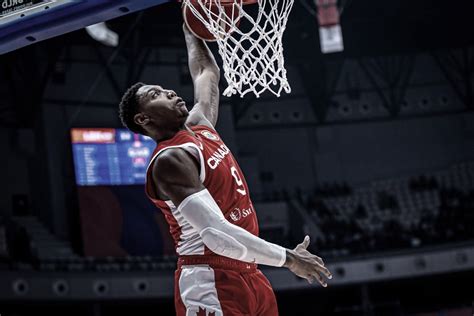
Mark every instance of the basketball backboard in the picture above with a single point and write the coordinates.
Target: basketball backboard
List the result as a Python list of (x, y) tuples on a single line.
[(29, 21)]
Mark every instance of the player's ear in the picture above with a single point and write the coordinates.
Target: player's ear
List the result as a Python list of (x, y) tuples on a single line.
[(141, 119)]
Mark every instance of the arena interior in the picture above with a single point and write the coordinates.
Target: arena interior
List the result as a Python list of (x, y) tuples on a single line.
[(371, 155)]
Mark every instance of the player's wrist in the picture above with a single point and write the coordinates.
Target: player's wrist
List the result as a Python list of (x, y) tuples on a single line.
[(290, 259)]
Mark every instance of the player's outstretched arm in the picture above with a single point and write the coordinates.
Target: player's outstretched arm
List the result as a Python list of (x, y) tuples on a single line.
[(176, 173), (205, 74)]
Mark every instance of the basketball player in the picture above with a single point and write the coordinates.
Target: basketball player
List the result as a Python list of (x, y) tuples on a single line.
[(196, 182)]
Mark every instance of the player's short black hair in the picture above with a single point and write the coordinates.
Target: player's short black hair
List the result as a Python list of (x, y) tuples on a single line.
[(128, 107)]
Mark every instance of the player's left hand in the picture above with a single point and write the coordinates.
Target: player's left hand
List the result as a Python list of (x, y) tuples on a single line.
[(307, 265)]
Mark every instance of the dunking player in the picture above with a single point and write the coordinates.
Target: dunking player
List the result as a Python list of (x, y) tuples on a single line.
[(194, 179)]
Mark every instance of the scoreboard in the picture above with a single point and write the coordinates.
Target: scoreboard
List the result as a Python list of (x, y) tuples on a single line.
[(109, 156)]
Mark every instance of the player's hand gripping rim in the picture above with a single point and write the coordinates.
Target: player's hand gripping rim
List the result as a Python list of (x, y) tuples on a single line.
[(307, 265)]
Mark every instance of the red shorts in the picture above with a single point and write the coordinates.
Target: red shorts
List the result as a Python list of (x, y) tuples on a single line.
[(219, 286)]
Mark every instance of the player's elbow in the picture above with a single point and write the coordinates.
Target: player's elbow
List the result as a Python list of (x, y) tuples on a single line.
[(211, 71), (215, 71), (223, 244)]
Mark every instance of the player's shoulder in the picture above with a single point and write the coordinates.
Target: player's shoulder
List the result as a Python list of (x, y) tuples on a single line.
[(204, 127), (200, 128), (170, 157), (180, 138), (169, 161), (197, 119)]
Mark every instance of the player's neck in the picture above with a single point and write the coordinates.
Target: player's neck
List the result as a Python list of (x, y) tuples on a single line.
[(186, 127), (163, 135)]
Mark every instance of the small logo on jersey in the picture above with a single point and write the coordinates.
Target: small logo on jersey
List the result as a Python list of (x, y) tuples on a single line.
[(235, 215), (209, 135)]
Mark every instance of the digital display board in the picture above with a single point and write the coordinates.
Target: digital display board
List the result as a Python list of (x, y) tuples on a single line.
[(109, 156)]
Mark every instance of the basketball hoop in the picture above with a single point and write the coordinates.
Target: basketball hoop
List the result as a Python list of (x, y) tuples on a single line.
[(252, 59)]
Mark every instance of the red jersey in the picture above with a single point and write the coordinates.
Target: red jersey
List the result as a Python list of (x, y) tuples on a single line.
[(222, 177)]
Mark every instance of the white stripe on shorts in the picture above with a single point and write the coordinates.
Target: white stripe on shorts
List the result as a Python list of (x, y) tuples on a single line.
[(197, 288)]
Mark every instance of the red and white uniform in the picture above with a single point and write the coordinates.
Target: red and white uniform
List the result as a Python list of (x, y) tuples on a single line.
[(217, 283)]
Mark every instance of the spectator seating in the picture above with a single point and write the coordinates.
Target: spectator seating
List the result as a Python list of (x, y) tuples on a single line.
[(409, 211)]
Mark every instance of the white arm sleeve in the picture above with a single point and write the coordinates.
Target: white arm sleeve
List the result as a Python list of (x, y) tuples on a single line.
[(224, 238)]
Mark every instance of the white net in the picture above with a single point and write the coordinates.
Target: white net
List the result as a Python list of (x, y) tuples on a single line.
[(252, 58)]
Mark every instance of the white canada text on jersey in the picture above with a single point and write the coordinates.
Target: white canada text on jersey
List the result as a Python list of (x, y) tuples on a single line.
[(218, 156)]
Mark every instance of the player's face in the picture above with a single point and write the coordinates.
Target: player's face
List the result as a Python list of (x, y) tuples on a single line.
[(162, 106)]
